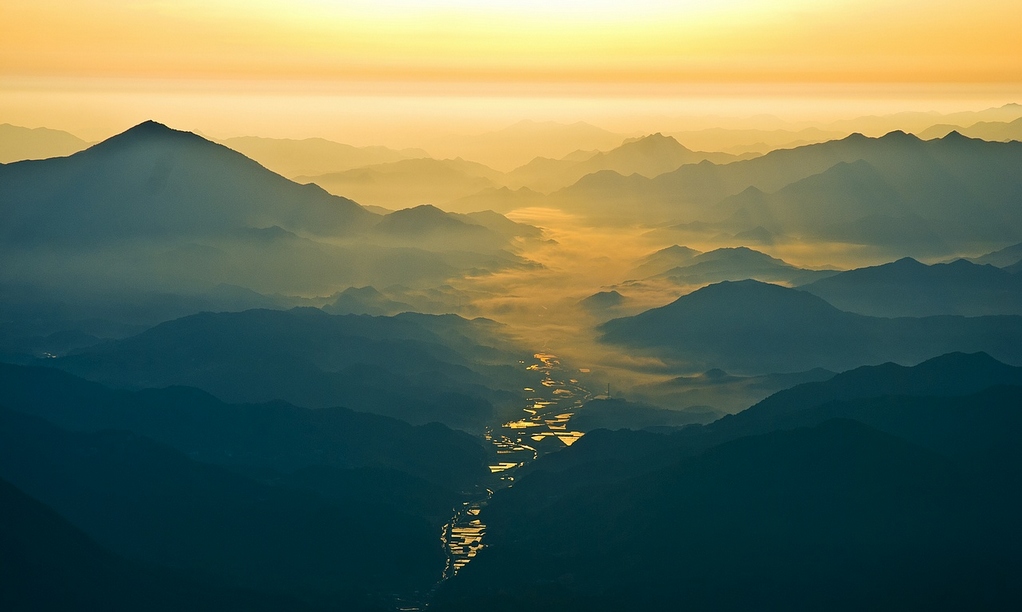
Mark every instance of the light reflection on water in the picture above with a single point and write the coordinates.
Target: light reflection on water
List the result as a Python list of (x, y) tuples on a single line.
[(544, 428)]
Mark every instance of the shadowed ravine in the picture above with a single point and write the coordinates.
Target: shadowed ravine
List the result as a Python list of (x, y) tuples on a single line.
[(544, 427)]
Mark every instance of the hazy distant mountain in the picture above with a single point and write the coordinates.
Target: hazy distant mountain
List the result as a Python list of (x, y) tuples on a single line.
[(428, 224), (603, 302), (850, 202), (516, 144), (917, 122), (365, 300), (499, 199), (1001, 258), (648, 156), (750, 140), (987, 130), (752, 327), (49, 564), (892, 188), (418, 368), (502, 225), (409, 182), (907, 288), (147, 502), (739, 263), (18, 143), (664, 260), (312, 156)]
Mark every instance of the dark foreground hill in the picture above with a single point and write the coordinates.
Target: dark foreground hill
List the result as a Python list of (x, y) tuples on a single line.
[(272, 438), (875, 490), (419, 368), (749, 326), (47, 564), (145, 501)]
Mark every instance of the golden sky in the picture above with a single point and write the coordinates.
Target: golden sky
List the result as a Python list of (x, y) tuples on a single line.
[(354, 69), (518, 42)]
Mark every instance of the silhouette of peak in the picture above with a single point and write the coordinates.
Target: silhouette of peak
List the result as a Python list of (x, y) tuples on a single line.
[(907, 262), (654, 142), (154, 129), (150, 131), (955, 136), (677, 249), (899, 136), (367, 292), (422, 211), (960, 361), (748, 291)]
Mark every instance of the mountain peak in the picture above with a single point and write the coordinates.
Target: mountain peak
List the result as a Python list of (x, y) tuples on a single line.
[(152, 128), (900, 136), (955, 136), (149, 131)]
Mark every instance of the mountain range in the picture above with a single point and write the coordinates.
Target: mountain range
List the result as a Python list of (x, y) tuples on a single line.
[(18, 143), (987, 130), (896, 191), (648, 156), (154, 220), (310, 156), (410, 182)]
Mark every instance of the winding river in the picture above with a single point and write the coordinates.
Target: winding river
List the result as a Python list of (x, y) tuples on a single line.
[(544, 427)]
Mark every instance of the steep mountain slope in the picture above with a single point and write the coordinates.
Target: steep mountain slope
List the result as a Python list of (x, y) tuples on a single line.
[(154, 182), (838, 516), (753, 327), (907, 288), (877, 484)]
